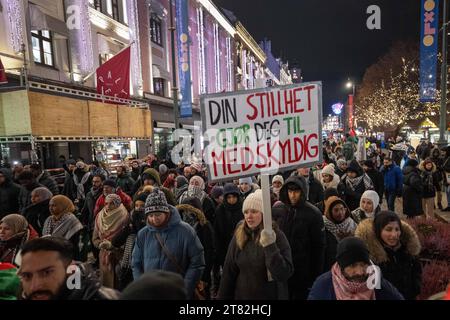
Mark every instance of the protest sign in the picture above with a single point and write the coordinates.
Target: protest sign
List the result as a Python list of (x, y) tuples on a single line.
[(262, 131)]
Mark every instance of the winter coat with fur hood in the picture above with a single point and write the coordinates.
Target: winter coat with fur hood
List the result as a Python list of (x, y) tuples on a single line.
[(430, 180), (400, 267), (245, 273), (204, 232)]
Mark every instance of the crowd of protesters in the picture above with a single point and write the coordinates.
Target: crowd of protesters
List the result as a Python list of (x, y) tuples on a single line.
[(156, 230)]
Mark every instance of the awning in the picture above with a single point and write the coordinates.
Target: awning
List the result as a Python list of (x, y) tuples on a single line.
[(159, 72), (42, 21)]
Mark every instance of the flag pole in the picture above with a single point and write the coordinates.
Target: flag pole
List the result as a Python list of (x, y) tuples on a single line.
[(93, 72)]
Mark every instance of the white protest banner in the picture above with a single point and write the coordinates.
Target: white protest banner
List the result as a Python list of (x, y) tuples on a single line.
[(262, 131)]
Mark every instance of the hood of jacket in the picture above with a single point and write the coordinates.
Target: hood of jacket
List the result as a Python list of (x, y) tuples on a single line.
[(422, 167), (407, 170), (330, 202), (301, 183), (174, 219), (187, 209), (408, 239)]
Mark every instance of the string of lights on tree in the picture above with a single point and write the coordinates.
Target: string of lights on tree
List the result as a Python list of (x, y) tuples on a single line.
[(395, 101)]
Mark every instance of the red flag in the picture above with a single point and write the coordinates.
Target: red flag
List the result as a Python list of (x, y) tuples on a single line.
[(113, 77), (3, 78)]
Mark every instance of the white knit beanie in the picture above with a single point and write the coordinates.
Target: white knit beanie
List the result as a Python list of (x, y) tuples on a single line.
[(278, 178), (200, 181), (372, 196), (329, 169), (253, 201)]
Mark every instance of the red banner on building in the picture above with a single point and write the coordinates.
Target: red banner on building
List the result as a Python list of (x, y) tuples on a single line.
[(113, 77), (3, 78)]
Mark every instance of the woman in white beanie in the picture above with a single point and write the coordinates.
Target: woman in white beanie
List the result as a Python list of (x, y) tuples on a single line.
[(328, 178), (368, 206), (258, 262), (277, 183)]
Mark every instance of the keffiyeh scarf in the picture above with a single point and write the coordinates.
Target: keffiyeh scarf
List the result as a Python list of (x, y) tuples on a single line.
[(352, 183), (349, 290), (340, 230)]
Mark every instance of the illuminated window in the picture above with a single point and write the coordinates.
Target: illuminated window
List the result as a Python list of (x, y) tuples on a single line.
[(159, 86), (42, 47), (156, 30)]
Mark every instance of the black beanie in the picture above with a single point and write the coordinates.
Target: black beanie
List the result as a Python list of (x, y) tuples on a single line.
[(156, 285), (193, 201), (110, 183), (329, 192), (351, 250), (382, 219), (369, 163)]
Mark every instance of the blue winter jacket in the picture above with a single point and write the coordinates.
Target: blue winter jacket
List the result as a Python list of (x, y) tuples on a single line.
[(323, 289), (393, 178), (181, 241)]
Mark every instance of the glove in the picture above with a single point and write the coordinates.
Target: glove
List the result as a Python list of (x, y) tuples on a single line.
[(267, 237)]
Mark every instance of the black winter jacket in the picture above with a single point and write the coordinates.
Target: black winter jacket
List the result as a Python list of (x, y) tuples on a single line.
[(304, 228)]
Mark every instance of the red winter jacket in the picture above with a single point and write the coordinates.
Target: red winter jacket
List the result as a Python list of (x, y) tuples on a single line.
[(126, 201)]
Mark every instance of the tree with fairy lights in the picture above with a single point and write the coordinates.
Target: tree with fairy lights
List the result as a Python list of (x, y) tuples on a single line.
[(389, 95)]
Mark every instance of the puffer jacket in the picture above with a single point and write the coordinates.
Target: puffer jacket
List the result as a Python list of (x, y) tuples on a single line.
[(400, 267), (180, 240)]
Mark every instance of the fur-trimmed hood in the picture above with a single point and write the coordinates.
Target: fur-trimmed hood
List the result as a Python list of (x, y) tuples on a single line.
[(422, 166), (408, 239), (187, 208)]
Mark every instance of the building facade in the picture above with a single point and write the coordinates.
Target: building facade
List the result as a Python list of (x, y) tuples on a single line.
[(50, 106), (51, 50)]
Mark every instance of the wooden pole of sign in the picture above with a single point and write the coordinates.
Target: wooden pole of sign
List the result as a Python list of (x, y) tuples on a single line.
[(267, 208)]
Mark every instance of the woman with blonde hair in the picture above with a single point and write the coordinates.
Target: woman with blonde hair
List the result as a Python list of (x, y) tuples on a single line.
[(259, 262)]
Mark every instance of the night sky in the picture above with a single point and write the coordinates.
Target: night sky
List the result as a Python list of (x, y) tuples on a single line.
[(328, 38)]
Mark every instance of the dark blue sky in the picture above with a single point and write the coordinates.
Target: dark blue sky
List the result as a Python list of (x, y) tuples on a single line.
[(328, 38)]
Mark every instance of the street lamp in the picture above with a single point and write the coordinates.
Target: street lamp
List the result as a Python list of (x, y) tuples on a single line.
[(174, 69), (351, 85), (348, 111)]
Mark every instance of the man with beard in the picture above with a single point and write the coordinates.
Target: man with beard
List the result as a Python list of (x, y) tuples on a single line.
[(47, 272), (350, 278)]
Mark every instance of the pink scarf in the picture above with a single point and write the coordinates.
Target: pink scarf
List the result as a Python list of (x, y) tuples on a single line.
[(348, 290)]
